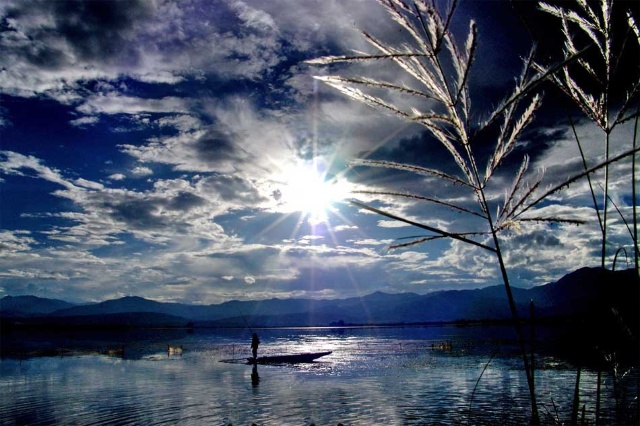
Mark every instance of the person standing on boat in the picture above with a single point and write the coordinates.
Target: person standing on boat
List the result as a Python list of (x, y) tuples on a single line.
[(255, 341)]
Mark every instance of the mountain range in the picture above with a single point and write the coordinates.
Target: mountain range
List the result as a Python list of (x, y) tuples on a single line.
[(584, 292)]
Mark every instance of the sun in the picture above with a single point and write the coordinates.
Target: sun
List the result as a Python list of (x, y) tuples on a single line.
[(309, 191)]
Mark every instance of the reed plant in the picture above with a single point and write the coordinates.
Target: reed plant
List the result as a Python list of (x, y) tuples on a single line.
[(439, 98), (590, 83)]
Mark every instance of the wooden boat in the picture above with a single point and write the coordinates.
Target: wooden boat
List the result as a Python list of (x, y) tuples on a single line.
[(288, 359)]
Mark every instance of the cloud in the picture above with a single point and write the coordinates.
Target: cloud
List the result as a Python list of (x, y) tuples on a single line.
[(255, 18), (206, 106), (154, 215), (84, 121), (392, 224), (15, 241), (117, 176), (56, 48), (88, 184), (344, 227), (112, 103), (372, 242), (53, 42), (236, 142), (13, 163), (141, 171), (132, 36), (231, 190)]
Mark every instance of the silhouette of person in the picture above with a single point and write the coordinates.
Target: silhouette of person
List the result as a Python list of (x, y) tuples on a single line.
[(255, 342)]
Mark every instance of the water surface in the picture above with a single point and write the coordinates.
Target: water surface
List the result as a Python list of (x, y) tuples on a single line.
[(413, 375)]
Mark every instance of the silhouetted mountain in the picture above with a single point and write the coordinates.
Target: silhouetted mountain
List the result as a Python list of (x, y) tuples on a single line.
[(585, 291), (126, 305), (194, 312), (30, 305)]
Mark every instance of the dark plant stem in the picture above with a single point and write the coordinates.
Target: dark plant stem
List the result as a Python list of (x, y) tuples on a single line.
[(616, 390), (420, 225), (615, 258), (633, 194), (608, 57), (535, 419), (615, 206), (532, 338), (576, 399), (584, 164), (480, 377), (598, 390), (603, 254), (575, 178)]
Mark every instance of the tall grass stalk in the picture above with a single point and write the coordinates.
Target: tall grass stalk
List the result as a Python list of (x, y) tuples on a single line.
[(598, 394), (440, 68), (634, 200), (532, 339), (593, 93), (475, 387), (594, 22), (576, 398)]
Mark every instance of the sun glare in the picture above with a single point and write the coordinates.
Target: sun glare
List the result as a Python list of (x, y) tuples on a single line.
[(308, 191)]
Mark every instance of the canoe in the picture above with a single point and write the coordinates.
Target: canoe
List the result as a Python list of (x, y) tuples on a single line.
[(288, 359)]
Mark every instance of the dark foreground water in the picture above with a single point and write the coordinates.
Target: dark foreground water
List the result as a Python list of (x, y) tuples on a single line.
[(375, 376)]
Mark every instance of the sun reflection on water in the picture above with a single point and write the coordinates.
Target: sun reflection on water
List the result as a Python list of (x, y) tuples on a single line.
[(373, 376)]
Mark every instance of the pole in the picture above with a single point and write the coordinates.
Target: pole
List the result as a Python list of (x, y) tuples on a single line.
[(245, 321)]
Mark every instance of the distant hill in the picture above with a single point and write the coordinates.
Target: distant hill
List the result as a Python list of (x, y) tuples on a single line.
[(230, 309), (126, 305), (582, 292), (30, 305)]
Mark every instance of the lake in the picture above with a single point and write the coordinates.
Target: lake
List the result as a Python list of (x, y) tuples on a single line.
[(385, 376)]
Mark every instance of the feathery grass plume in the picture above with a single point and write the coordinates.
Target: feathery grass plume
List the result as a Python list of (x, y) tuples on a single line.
[(575, 178), (422, 198), (441, 68), (589, 83)]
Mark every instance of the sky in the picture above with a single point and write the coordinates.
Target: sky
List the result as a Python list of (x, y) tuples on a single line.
[(182, 151)]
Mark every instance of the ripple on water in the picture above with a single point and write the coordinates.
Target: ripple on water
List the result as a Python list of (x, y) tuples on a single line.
[(368, 379)]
